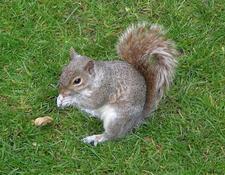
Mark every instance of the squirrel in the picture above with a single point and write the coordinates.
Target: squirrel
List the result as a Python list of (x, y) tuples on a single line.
[(121, 93)]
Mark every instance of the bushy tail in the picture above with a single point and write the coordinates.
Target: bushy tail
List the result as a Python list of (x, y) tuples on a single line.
[(147, 49)]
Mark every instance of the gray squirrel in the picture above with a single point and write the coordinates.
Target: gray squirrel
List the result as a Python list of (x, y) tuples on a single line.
[(121, 93)]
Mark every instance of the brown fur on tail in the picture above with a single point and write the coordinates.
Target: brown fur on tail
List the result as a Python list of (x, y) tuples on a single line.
[(146, 48)]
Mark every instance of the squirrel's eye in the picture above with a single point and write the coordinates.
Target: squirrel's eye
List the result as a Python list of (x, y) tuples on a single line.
[(77, 81)]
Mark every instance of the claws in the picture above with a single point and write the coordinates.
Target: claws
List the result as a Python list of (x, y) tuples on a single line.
[(93, 143)]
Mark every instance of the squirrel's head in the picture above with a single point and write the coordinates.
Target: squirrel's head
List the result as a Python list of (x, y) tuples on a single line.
[(76, 77)]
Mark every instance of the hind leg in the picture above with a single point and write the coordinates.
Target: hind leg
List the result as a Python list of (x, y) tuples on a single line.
[(115, 126)]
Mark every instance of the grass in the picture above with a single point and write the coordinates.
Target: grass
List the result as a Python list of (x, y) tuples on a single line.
[(186, 134)]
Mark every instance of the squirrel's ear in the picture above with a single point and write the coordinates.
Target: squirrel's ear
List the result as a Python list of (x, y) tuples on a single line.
[(73, 54), (89, 67)]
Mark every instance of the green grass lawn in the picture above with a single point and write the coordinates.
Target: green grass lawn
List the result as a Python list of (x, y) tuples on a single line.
[(186, 135)]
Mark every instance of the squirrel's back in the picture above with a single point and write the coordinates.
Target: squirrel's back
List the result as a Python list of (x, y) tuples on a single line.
[(124, 81)]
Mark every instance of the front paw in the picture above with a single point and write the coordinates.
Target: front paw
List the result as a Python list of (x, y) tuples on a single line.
[(63, 102), (59, 101), (94, 139)]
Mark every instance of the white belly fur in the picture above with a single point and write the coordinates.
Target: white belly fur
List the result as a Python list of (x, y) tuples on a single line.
[(106, 113)]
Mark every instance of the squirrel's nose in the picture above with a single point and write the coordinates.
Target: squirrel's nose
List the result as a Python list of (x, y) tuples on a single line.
[(64, 93)]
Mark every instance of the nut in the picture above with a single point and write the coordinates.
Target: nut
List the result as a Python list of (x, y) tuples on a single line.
[(42, 121)]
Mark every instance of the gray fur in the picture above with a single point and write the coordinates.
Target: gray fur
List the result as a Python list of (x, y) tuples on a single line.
[(115, 91)]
